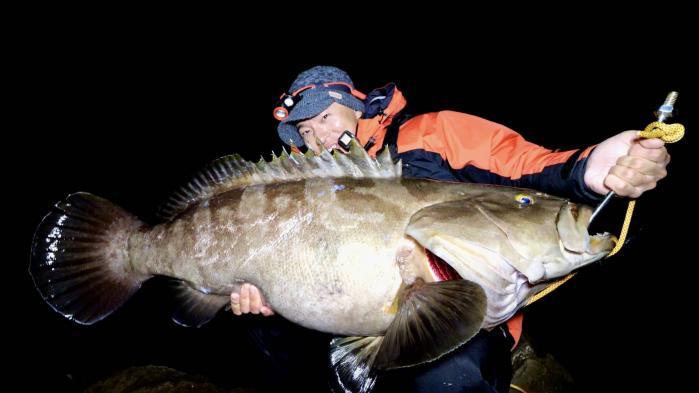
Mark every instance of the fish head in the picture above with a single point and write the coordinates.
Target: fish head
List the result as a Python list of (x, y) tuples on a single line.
[(541, 236)]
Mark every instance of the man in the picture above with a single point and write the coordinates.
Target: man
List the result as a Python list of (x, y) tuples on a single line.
[(323, 108)]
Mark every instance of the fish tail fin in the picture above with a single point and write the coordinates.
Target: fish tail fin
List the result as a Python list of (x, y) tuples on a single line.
[(433, 319), (80, 260)]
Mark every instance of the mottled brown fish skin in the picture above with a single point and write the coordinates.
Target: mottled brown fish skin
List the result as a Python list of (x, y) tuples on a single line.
[(322, 251)]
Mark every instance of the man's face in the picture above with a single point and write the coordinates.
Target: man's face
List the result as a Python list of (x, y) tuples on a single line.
[(328, 125)]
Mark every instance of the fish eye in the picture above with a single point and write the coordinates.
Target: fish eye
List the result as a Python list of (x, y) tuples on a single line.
[(524, 199)]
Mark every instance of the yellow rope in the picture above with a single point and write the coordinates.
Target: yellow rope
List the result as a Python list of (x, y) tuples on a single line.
[(669, 133), (549, 289), (624, 229)]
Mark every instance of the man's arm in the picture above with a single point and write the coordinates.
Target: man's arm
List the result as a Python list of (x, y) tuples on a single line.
[(459, 146)]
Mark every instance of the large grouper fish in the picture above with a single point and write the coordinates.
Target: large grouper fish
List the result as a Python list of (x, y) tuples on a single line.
[(403, 270)]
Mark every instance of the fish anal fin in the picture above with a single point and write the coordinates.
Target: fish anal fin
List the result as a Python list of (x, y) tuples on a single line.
[(194, 308)]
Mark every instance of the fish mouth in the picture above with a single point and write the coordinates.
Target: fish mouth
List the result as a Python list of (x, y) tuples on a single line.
[(441, 270), (572, 225)]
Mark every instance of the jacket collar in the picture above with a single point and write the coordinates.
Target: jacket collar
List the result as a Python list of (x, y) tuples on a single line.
[(382, 105)]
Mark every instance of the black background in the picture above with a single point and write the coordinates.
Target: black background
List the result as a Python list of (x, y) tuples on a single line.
[(130, 117)]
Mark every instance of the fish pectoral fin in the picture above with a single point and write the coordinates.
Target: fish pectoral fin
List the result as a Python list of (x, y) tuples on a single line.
[(194, 308), (433, 319), (351, 361)]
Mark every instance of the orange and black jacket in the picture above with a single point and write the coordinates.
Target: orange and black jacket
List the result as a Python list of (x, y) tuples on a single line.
[(456, 146)]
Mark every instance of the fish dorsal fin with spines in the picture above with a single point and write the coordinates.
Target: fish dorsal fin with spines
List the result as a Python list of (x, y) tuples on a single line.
[(233, 172)]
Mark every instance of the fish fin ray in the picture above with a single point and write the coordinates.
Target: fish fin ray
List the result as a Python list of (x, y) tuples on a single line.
[(79, 260), (194, 308), (351, 362), (233, 172), (433, 319)]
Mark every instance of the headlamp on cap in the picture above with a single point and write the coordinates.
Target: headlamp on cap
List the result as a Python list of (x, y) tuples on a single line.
[(284, 105), (287, 101)]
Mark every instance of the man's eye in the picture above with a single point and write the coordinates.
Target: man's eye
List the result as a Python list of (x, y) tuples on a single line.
[(305, 132), (325, 116)]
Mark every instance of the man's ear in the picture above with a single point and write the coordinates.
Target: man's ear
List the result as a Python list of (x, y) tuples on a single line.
[(358, 114)]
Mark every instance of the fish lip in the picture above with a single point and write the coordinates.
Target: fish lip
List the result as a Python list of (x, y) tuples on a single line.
[(599, 243), (573, 225), (606, 240), (602, 243)]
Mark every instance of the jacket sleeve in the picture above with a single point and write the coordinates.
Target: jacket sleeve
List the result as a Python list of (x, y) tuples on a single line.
[(477, 150)]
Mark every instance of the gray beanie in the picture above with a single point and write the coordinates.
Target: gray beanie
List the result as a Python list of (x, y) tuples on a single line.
[(313, 101)]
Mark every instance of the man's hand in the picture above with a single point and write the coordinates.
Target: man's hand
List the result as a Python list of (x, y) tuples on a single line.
[(249, 300), (627, 164)]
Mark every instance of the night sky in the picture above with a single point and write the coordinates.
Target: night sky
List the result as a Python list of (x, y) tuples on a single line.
[(132, 119)]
